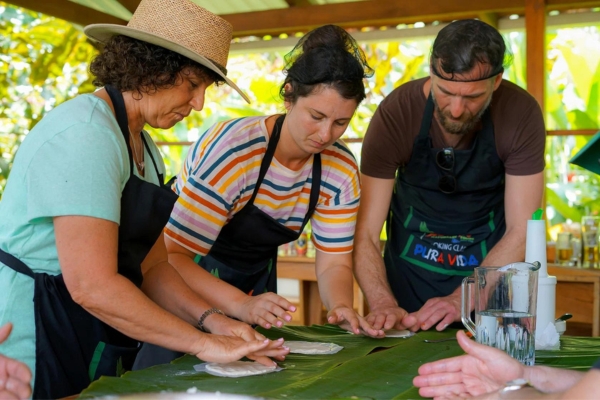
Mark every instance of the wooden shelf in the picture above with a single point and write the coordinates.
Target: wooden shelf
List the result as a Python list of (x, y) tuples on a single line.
[(303, 270), (578, 293)]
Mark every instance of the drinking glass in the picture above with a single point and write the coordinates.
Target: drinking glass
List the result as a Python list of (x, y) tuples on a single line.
[(590, 226), (564, 248)]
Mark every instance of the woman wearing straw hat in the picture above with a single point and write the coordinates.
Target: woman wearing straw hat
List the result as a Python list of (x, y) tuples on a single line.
[(81, 268), (251, 184)]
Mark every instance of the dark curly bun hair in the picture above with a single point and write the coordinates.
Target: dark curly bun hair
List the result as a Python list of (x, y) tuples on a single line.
[(133, 65), (327, 55)]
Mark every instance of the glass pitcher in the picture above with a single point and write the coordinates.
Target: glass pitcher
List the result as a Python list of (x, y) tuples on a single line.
[(505, 300)]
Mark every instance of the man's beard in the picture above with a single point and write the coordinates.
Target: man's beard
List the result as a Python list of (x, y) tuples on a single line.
[(459, 127)]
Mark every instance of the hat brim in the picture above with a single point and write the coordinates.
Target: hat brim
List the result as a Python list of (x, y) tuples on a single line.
[(589, 156), (103, 32)]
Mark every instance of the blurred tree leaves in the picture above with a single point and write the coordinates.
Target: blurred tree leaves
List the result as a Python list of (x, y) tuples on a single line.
[(43, 62)]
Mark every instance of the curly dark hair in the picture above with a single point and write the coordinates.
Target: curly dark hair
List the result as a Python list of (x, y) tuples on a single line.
[(134, 65), (327, 55)]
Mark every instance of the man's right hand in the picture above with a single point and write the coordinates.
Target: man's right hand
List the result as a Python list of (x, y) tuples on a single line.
[(387, 317), (267, 310)]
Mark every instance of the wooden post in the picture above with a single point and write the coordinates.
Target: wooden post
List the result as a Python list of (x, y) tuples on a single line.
[(535, 30)]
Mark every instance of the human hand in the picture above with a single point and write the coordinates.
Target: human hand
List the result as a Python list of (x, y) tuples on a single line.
[(439, 310), (349, 320), (222, 325), (387, 317), (224, 349), (15, 377), (266, 310), (482, 370)]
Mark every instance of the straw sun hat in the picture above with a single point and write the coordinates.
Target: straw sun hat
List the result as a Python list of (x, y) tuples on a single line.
[(180, 26)]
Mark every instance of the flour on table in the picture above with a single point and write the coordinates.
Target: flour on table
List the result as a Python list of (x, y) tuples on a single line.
[(394, 333), (238, 369), (302, 347)]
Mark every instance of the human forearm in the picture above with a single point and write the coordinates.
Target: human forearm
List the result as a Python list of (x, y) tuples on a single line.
[(117, 302), (370, 273), (511, 248), (216, 292), (87, 251), (335, 281), (368, 264), (551, 383), (522, 196), (550, 380), (162, 281)]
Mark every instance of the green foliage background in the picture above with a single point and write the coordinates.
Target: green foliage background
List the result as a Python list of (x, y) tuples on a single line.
[(43, 62)]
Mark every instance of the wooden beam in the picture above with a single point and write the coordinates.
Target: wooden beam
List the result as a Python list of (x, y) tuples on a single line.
[(377, 13), (131, 5), (301, 15), (69, 11), (535, 31), (360, 14)]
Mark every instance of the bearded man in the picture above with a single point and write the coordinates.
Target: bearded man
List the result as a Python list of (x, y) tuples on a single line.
[(454, 164)]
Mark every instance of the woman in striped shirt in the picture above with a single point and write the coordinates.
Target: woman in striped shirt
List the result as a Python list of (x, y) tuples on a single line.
[(251, 184)]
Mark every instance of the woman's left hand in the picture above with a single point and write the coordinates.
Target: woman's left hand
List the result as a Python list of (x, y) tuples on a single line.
[(223, 325), (348, 319)]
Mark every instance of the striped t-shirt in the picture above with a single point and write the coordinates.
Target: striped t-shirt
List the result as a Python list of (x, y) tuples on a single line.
[(220, 174)]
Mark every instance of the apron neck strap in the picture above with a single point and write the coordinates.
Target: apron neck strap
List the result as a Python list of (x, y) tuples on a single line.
[(121, 114), (266, 162), (315, 189)]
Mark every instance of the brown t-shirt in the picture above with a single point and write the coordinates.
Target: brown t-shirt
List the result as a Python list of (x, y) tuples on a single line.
[(519, 131)]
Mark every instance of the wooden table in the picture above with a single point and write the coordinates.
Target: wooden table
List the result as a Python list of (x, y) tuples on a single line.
[(303, 270), (577, 292)]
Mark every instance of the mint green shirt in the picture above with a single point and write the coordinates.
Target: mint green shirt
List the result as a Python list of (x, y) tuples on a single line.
[(73, 162)]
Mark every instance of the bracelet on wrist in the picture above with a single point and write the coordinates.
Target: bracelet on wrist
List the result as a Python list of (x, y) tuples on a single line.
[(205, 314)]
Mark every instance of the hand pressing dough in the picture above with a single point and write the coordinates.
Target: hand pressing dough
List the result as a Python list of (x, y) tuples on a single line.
[(238, 369), (302, 347), (394, 333)]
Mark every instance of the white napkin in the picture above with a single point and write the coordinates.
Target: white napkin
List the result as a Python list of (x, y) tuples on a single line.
[(549, 339)]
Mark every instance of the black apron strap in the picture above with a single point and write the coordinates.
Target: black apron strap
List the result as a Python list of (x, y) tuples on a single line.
[(315, 189), (15, 264), (269, 154), (266, 162), (161, 178), (121, 114)]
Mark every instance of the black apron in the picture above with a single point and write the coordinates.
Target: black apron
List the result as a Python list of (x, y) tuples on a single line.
[(435, 239), (73, 348), (245, 252)]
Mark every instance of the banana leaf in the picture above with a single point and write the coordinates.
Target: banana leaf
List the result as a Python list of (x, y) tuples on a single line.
[(365, 368)]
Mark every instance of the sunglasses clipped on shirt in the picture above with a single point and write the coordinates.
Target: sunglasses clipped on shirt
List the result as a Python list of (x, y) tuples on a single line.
[(445, 161)]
